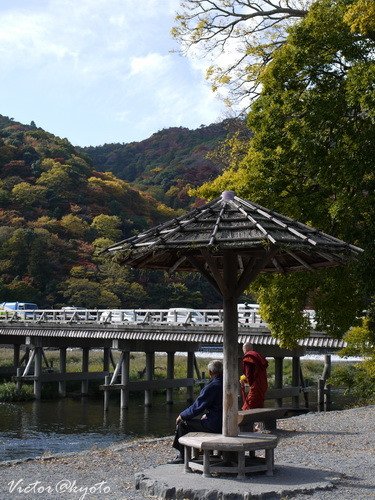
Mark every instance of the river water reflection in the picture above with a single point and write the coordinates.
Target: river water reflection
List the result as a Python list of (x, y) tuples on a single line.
[(67, 425)]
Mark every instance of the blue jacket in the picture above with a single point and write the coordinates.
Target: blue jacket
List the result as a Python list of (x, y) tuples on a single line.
[(209, 401)]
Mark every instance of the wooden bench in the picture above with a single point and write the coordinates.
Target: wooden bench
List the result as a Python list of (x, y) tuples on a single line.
[(269, 416), (242, 447), (247, 418)]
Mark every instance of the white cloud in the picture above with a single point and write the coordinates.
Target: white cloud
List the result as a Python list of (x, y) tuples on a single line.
[(108, 60), (150, 64)]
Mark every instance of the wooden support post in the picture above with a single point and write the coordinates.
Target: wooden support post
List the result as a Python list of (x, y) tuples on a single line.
[(106, 359), (150, 364), (295, 379), (26, 355), (125, 374), (19, 381), (38, 372), (279, 378), (85, 369), (303, 385), (196, 366), (107, 380), (111, 358), (190, 374), (45, 359), (16, 355), (230, 344), (320, 395), (62, 383), (170, 375), (324, 389), (30, 360), (327, 387), (117, 369)]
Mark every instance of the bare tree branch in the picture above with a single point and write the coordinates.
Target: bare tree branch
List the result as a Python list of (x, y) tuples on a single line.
[(240, 36)]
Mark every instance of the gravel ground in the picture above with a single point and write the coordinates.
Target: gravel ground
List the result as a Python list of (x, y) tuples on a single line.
[(340, 441)]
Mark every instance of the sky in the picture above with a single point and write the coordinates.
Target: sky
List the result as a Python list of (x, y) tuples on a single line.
[(100, 71)]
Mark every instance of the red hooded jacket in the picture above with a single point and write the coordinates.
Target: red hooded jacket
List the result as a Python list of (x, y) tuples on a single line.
[(254, 367)]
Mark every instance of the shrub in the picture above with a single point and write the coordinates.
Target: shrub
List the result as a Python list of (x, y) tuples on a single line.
[(9, 392)]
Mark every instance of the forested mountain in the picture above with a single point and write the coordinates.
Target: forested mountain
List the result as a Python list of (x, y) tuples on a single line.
[(57, 213), (168, 163)]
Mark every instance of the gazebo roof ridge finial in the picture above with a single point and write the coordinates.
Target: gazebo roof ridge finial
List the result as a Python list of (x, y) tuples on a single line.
[(228, 195)]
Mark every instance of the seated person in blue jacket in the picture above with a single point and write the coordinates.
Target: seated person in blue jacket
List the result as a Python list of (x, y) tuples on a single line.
[(208, 405)]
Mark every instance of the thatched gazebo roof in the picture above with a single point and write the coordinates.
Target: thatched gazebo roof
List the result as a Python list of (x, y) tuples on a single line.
[(230, 241), (230, 223)]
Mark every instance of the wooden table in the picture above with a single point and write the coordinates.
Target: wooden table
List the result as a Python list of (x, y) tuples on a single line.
[(241, 447)]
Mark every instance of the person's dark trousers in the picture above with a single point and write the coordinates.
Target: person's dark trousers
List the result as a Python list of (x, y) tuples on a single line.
[(184, 427)]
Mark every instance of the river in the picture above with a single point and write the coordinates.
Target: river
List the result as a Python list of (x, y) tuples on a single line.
[(35, 428)]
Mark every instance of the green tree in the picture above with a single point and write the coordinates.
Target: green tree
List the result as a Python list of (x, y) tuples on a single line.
[(74, 225), (28, 195), (107, 226), (90, 294), (312, 156)]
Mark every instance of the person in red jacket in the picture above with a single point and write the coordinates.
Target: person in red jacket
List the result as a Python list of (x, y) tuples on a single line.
[(254, 368)]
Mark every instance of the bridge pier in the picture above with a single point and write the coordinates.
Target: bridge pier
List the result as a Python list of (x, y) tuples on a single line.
[(279, 362), (125, 377), (170, 375), (150, 369), (38, 372), (16, 355), (190, 374), (296, 378), (62, 383), (85, 369), (106, 358)]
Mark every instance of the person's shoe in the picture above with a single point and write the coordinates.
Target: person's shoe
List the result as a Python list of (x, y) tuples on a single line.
[(178, 460)]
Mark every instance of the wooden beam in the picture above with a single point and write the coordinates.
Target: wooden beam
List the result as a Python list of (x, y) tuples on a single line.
[(142, 385), (200, 267), (300, 260), (57, 376), (277, 265), (221, 283), (251, 270), (176, 264)]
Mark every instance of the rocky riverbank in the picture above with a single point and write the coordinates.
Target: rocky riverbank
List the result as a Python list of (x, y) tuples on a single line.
[(341, 442)]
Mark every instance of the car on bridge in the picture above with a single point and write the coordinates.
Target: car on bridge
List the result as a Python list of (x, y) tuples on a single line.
[(22, 310), (184, 316), (118, 316), (249, 314)]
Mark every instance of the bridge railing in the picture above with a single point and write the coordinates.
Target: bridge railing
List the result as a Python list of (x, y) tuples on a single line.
[(127, 316)]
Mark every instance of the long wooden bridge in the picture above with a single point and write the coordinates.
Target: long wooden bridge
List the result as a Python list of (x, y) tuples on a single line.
[(147, 331)]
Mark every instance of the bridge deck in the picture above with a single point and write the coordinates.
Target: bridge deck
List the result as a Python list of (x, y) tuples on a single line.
[(116, 335)]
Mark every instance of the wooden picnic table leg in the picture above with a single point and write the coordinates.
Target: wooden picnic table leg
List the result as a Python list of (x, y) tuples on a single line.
[(206, 463), (187, 458), (269, 461)]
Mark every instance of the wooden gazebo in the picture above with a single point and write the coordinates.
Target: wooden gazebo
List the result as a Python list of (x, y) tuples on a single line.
[(230, 241)]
